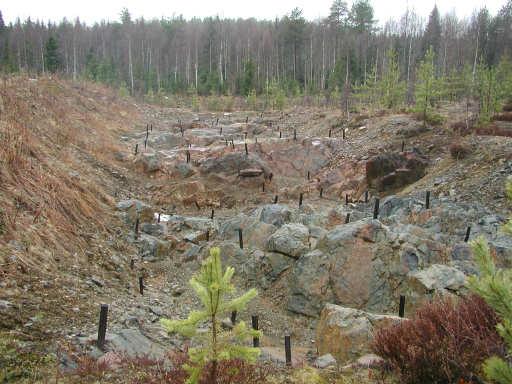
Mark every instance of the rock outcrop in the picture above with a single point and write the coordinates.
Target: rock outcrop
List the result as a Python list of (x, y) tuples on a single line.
[(391, 171), (346, 333)]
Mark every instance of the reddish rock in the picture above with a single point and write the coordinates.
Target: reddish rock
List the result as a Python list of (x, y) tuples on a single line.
[(395, 170)]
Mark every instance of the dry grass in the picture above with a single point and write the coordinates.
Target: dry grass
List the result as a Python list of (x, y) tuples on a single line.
[(50, 196)]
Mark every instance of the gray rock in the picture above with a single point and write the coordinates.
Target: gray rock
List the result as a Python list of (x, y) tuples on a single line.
[(133, 209), (461, 251), (275, 214), (96, 280), (184, 169), (370, 360), (153, 229), (149, 161), (192, 253), (438, 277), (231, 163), (152, 248), (309, 284), (325, 361), (290, 240), (4, 305), (165, 140), (132, 343), (346, 333)]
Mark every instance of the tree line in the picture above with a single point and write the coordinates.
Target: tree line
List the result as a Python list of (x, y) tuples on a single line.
[(341, 54)]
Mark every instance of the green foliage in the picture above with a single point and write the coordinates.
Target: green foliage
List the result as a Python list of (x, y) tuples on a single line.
[(252, 100), (459, 84), (19, 362), (392, 90), (494, 285), (504, 79), (276, 96), (487, 91), (388, 91), (427, 86), (361, 16), (51, 55), (124, 91), (248, 83), (213, 287)]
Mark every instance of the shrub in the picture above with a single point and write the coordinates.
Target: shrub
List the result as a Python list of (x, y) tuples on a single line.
[(506, 116), (460, 128), (495, 287), (434, 119), (442, 343), (459, 150), (507, 107)]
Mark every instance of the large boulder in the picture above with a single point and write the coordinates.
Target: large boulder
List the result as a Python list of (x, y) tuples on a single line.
[(290, 240), (309, 284), (390, 171), (346, 333), (148, 161), (132, 343), (152, 248), (437, 277), (361, 265), (164, 140), (275, 214), (133, 209), (264, 268), (232, 163)]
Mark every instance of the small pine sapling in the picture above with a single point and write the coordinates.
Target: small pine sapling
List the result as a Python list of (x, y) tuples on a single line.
[(494, 285), (213, 287)]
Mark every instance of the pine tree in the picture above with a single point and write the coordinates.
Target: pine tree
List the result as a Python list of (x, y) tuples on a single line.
[(427, 87), (392, 90), (368, 92), (495, 287), (504, 78), (488, 93), (213, 286), (51, 56)]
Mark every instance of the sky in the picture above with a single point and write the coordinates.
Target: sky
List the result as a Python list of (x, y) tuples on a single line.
[(91, 11)]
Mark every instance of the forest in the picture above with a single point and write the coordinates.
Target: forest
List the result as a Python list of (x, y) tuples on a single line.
[(349, 53)]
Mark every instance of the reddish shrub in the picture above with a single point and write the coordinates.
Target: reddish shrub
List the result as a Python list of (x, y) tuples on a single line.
[(494, 130), (145, 370), (459, 150), (507, 107), (460, 128), (505, 116), (442, 343)]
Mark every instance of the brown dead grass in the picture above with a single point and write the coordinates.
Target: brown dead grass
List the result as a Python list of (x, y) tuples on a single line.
[(50, 196)]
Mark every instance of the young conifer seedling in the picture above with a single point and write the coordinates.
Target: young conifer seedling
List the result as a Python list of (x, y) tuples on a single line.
[(213, 286)]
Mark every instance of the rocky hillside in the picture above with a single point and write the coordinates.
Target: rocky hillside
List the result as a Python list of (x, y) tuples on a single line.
[(101, 192)]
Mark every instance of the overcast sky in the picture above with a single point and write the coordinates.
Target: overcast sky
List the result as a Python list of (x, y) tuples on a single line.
[(97, 10)]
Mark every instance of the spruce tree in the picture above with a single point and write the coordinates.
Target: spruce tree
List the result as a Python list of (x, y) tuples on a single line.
[(214, 288), (51, 55), (494, 285)]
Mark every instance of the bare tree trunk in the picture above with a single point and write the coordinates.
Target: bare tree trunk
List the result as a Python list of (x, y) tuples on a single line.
[(130, 65), (323, 61), (42, 56), (476, 55), (74, 60)]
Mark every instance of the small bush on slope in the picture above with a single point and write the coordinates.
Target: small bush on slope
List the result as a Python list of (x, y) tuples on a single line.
[(495, 286), (442, 343)]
